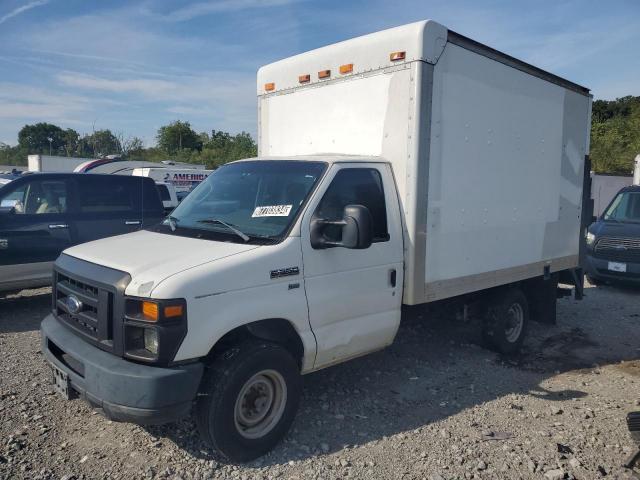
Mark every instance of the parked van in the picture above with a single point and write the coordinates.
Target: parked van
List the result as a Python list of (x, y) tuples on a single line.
[(613, 241), (457, 179), (182, 179), (41, 215)]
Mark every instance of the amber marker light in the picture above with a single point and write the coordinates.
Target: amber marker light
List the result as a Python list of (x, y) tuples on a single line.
[(348, 68), (324, 73), (395, 56), (304, 78), (269, 87), (173, 311)]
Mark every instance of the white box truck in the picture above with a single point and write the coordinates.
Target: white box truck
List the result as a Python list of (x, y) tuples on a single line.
[(410, 166), (53, 163)]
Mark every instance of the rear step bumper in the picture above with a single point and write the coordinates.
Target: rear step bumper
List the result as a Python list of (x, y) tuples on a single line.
[(124, 391)]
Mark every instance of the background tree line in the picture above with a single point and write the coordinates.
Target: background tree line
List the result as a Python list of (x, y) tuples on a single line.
[(615, 141), (615, 134), (176, 141)]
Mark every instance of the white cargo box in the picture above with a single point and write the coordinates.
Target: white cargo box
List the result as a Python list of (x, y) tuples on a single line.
[(488, 152)]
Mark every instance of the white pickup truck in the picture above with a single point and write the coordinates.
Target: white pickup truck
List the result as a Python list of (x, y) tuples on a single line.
[(410, 166)]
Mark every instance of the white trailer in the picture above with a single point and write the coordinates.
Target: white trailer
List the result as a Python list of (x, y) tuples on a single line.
[(410, 166), (51, 163), (183, 179)]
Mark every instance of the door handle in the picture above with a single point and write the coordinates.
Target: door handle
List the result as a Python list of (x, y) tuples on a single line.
[(132, 222), (392, 277), (56, 226)]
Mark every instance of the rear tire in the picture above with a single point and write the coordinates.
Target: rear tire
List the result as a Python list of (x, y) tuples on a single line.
[(248, 400), (506, 321)]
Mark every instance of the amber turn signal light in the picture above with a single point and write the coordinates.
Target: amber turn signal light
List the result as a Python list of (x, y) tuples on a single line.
[(150, 311)]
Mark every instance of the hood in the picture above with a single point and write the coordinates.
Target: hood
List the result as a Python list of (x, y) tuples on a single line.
[(615, 229), (150, 257)]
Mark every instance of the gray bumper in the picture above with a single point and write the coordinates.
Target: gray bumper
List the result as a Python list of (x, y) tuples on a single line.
[(123, 390), (597, 268)]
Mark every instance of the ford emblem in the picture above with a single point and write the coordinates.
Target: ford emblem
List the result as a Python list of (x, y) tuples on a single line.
[(73, 304)]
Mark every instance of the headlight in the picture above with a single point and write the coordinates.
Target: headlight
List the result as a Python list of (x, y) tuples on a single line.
[(154, 329), (151, 340), (590, 238)]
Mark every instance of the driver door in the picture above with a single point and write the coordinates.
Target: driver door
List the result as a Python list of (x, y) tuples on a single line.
[(35, 232), (354, 296)]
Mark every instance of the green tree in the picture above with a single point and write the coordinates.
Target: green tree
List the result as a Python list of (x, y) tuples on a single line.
[(71, 139), (103, 142), (178, 136), (615, 135), (43, 138)]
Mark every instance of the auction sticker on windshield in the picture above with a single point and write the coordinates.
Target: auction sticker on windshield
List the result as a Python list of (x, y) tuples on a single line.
[(272, 211)]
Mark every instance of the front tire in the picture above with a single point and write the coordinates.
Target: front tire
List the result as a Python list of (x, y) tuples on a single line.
[(506, 321), (248, 400)]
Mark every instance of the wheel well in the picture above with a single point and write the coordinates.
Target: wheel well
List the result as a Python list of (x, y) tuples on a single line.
[(276, 330)]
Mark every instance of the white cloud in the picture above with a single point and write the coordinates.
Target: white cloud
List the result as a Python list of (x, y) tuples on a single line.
[(148, 87), (17, 11), (217, 6)]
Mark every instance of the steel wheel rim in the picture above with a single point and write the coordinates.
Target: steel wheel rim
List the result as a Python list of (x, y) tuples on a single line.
[(260, 404), (515, 323)]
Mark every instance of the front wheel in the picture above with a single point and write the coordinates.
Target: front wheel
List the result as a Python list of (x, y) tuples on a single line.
[(248, 400), (506, 321)]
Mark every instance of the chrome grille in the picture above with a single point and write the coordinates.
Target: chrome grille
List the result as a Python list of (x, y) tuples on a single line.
[(625, 249)]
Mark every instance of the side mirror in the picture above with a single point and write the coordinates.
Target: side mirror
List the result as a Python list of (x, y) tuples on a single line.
[(356, 227)]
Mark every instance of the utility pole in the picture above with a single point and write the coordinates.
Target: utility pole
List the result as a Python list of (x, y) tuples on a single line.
[(50, 140)]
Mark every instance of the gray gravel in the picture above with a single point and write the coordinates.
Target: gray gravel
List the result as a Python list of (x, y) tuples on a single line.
[(435, 405)]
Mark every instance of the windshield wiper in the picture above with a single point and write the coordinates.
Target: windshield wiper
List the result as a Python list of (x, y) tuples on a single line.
[(173, 222), (229, 226)]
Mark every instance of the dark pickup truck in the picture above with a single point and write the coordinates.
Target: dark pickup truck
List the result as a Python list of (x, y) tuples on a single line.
[(43, 214)]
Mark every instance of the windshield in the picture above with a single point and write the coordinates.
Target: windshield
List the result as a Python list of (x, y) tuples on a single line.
[(247, 200), (624, 208)]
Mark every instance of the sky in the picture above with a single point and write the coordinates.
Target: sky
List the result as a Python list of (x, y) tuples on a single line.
[(134, 65)]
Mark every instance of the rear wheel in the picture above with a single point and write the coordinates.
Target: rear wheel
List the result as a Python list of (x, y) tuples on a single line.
[(506, 321), (248, 400)]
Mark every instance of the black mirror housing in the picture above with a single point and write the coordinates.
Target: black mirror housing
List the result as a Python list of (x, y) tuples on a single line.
[(356, 225)]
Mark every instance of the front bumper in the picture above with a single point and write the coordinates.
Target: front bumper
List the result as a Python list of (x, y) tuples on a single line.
[(124, 391), (597, 268)]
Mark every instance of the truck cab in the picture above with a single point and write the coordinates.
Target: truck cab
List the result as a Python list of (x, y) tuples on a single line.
[(312, 247)]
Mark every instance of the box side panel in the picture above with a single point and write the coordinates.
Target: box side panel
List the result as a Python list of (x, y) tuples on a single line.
[(505, 175)]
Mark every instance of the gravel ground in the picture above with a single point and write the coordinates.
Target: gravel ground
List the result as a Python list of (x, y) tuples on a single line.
[(434, 405)]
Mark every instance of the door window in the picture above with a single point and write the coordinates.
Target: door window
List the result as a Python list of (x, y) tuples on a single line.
[(103, 194), (355, 186), (37, 197)]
